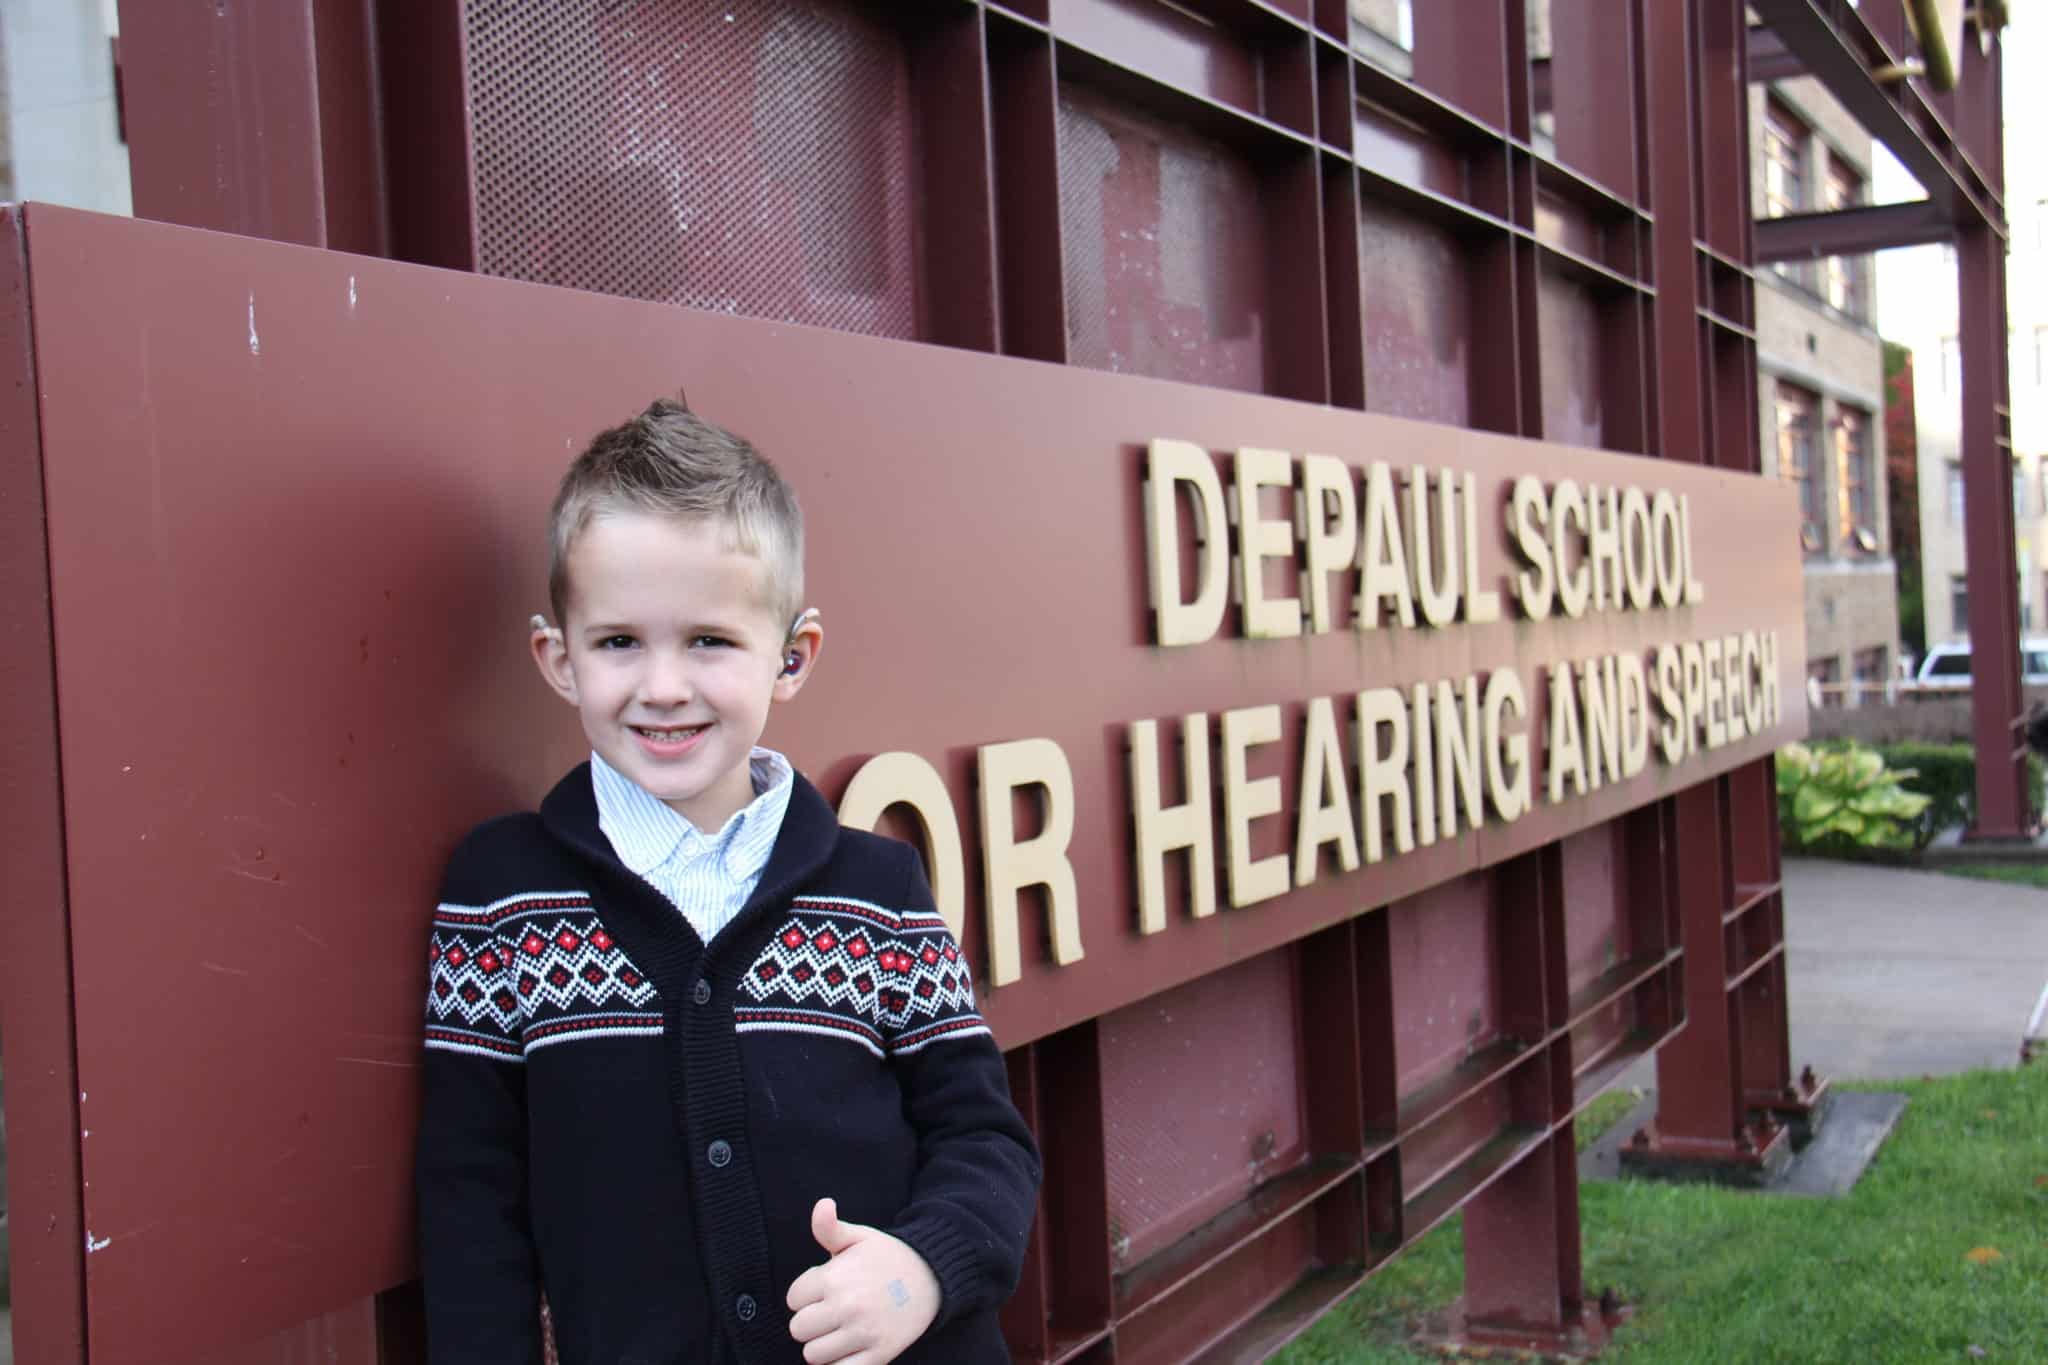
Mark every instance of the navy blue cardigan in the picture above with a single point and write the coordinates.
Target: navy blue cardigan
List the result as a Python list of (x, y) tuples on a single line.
[(639, 1126)]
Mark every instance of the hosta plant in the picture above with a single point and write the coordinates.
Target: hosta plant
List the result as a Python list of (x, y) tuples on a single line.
[(1844, 796)]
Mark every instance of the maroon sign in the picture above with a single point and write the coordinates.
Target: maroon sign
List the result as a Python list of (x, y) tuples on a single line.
[(295, 510)]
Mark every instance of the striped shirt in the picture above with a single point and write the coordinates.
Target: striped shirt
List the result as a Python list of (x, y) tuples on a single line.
[(706, 877)]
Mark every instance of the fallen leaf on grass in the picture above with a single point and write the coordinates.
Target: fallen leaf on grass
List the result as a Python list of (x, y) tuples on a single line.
[(2041, 1182), (1983, 1255), (1990, 1113)]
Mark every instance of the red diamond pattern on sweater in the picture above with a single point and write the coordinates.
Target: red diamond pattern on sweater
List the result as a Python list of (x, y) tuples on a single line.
[(877, 975), (506, 977)]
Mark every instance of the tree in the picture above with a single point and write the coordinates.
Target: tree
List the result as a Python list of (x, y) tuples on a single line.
[(1902, 491)]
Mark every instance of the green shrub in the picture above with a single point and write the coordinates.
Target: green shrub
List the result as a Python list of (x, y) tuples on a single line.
[(1842, 799), (1946, 774)]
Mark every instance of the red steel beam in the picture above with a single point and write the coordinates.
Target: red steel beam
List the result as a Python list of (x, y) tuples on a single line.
[(257, 117), (1851, 232), (1996, 701), (1840, 47), (1672, 156), (1770, 59), (37, 1026)]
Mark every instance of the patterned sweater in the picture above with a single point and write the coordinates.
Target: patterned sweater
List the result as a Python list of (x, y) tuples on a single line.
[(639, 1125)]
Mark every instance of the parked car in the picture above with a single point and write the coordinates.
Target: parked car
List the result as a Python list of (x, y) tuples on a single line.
[(1947, 667)]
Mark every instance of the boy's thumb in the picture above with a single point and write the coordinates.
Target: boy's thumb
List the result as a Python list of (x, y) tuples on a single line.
[(830, 1233)]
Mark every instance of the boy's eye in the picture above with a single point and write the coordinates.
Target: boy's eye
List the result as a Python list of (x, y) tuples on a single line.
[(617, 642), (710, 641)]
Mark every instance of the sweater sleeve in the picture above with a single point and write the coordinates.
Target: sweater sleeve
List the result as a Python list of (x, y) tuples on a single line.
[(477, 1259), (976, 1186)]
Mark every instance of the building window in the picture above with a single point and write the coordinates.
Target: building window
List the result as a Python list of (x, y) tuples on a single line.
[(1852, 460), (1958, 604), (1842, 278), (1785, 143), (1872, 670), (1798, 458), (1784, 161), (1951, 364), (2019, 488), (1824, 682), (1955, 493)]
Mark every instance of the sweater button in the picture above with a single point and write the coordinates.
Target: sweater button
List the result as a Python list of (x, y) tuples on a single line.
[(701, 994), (720, 1153), (745, 1308)]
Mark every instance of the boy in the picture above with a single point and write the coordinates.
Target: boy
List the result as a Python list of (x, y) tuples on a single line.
[(702, 1065)]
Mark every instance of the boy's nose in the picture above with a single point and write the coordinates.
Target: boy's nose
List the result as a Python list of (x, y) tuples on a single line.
[(668, 679)]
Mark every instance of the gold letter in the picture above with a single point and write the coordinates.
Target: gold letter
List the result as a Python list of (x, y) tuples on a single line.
[(1573, 586), (1635, 716), (1167, 465), (1671, 733), (1507, 756), (903, 779), (1481, 604), (1665, 539), (1567, 754), (1695, 592), (1383, 776), (1433, 546), (1325, 797), (1262, 538), (1161, 829), (1638, 557), (1383, 569), (1532, 519), (1329, 529), (1458, 761), (1009, 866), (1603, 542), (1245, 801)]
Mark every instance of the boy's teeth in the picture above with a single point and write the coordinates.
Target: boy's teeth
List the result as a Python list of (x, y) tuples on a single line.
[(677, 733)]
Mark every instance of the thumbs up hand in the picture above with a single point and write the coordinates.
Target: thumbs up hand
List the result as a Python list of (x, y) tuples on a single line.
[(872, 1299)]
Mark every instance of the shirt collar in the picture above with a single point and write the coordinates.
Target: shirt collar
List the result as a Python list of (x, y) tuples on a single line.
[(646, 833)]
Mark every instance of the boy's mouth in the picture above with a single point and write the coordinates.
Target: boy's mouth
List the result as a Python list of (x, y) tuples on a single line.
[(674, 734)]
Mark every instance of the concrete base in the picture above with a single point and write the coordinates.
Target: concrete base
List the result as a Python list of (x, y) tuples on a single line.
[(1449, 1331), (1752, 1162), (1857, 1124), (1803, 1109), (1956, 846)]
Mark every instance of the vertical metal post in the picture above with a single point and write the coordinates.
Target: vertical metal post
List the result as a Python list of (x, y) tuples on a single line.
[(257, 118), (1670, 136), (36, 1013), (1993, 569)]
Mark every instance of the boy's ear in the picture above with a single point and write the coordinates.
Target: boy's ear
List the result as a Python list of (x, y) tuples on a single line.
[(799, 657), (551, 656)]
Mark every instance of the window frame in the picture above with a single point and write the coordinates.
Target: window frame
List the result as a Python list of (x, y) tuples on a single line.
[(1799, 457), (1856, 471)]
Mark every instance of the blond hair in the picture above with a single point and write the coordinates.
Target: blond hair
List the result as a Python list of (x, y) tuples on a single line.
[(670, 462)]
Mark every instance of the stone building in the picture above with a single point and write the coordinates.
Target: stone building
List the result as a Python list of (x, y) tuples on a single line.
[(1920, 313), (1820, 386)]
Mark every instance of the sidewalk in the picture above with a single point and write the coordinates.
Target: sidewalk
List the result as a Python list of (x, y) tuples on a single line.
[(1896, 973)]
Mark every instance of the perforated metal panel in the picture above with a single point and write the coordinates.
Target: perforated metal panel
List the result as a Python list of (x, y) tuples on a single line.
[(1416, 290), (1200, 1100), (1165, 248), (750, 157)]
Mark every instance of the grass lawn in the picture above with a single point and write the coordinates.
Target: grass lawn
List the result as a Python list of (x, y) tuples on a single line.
[(2019, 874), (1943, 1246)]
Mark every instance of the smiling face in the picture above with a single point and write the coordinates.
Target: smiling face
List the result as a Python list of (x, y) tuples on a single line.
[(671, 654)]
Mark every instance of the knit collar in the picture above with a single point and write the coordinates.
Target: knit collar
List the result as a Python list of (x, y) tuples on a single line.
[(647, 832), (569, 812)]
